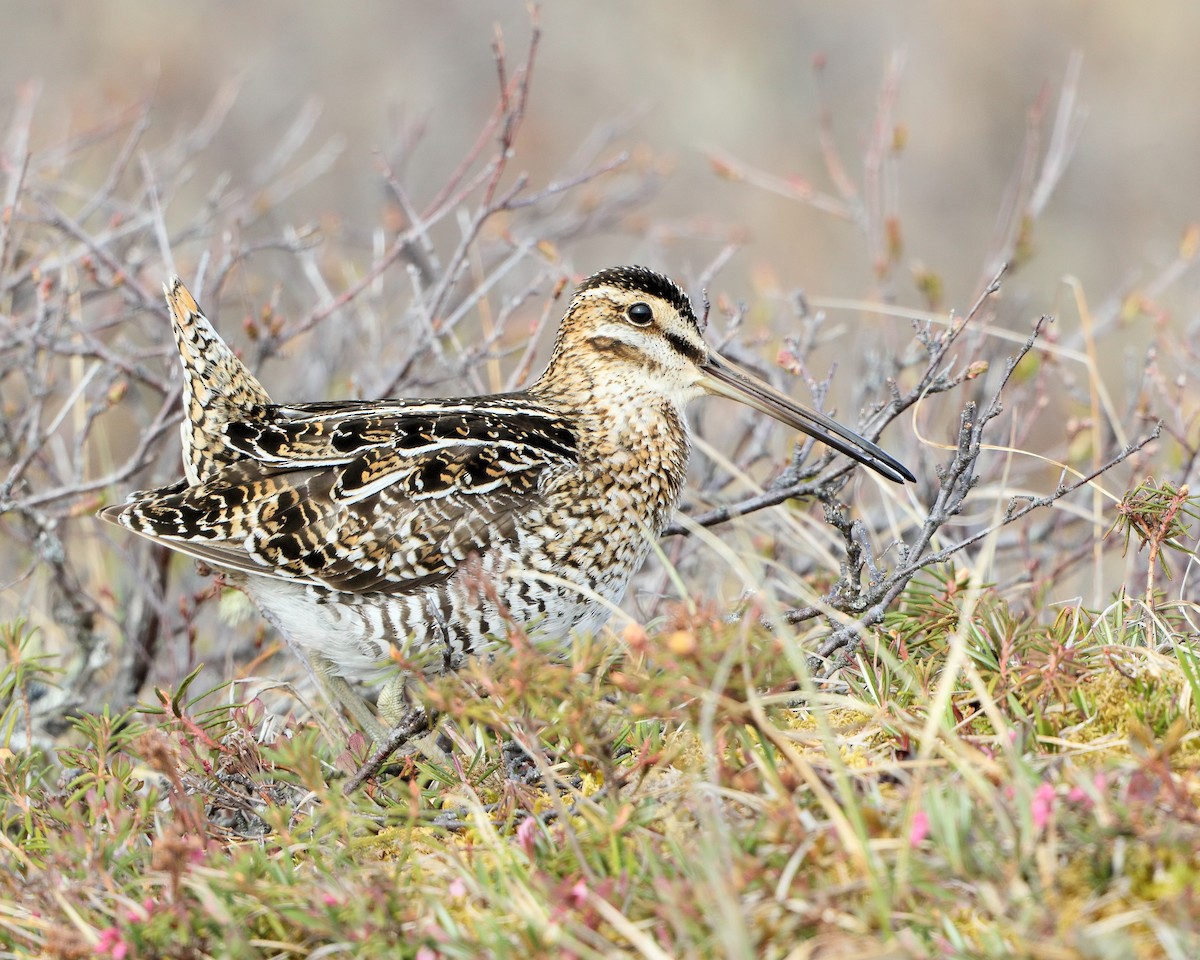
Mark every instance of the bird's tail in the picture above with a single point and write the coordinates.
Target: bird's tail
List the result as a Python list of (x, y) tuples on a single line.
[(217, 387)]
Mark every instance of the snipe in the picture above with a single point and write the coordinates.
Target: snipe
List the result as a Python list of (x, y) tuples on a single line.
[(425, 525)]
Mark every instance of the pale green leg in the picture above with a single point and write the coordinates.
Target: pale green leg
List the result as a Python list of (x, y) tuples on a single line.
[(342, 692), (392, 704), (394, 707)]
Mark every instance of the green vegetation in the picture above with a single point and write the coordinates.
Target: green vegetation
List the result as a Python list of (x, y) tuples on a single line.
[(688, 800)]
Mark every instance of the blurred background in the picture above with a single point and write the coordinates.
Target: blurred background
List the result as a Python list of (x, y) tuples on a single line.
[(890, 153), (681, 80)]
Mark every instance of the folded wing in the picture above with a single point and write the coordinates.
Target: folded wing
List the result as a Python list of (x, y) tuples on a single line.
[(385, 496)]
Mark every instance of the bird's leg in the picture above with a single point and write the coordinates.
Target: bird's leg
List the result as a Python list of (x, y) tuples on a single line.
[(393, 703), (407, 722), (340, 691), (398, 711)]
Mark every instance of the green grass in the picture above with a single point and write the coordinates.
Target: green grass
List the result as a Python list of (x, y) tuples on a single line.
[(982, 785)]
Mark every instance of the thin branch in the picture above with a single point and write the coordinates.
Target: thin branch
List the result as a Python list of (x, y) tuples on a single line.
[(800, 481)]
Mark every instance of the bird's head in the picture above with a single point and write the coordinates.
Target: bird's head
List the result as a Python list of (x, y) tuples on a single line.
[(635, 329)]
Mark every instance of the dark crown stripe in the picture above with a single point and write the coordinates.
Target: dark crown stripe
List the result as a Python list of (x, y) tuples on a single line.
[(642, 280)]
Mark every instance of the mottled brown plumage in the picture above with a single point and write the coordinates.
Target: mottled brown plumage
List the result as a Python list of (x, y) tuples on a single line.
[(425, 525)]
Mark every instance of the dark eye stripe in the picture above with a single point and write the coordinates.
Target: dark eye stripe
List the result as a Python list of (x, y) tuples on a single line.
[(684, 347)]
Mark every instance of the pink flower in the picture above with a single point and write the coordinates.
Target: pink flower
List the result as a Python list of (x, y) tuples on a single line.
[(1078, 794), (424, 953), (457, 888), (579, 892), (112, 943), (329, 899), (1043, 803), (527, 836), (919, 829)]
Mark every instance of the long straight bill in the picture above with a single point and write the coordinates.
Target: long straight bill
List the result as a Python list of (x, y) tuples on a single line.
[(726, 379)]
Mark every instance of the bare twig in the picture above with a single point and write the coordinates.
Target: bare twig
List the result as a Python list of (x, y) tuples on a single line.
[(867, 605), (799, 480), (414, 724)]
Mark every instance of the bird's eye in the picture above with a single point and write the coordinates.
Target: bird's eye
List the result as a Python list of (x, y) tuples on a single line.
[(639, 313)]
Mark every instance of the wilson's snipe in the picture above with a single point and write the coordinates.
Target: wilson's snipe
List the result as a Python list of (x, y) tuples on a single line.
[(425, 525)]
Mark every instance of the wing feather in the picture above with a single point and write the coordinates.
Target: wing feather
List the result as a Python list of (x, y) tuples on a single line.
[(384, 496)]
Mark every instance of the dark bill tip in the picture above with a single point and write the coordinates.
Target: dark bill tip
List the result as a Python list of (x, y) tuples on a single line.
[(728, 380)]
